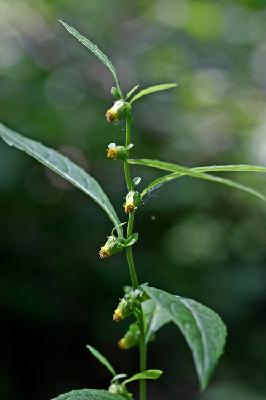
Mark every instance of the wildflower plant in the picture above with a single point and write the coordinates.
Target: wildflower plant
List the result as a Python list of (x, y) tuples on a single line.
[(151, 308)]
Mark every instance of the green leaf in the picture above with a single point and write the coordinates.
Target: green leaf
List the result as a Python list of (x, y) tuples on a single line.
[(131, 240), (95, 50), (131, 91), (101, 358), (155, 318), (118, 377), (89, 394), (152, 89), (63, 167), (183, 171), (149, 374), (202, 328), (231, 168)]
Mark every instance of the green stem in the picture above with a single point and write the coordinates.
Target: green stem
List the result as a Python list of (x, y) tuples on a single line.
[(130, 261), (143, 357), (132, 271)]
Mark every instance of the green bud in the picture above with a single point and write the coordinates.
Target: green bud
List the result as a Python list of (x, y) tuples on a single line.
[(131, 338), (115, 93), (116, 388), (124, 309), (112, 246)]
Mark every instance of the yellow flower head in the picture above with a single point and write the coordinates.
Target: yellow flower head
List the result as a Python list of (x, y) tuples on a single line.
[(118, 315), (115, 112), (104, 253), (112, 152), (130, 208), (122, 344)]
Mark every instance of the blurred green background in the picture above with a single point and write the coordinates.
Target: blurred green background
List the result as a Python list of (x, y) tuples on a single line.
[(199, 239)]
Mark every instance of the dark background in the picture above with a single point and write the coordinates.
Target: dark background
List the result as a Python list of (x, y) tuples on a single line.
[(198, 239)]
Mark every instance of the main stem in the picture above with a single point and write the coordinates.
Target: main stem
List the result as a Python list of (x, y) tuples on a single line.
[(133, 274)]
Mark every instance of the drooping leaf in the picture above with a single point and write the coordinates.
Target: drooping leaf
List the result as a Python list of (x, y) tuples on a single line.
[(101, 358), (202, 328), (152, 89), (63, 167), (149, 374), (155, 318), (95, 50), (89, 394), (131, 92), (182, 171), (213, 168)]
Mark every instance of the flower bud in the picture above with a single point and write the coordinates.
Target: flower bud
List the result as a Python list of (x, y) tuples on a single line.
[(119, 389), (124, 309), (117, 152), (115, 93), (133, 200), (131, 338), (111, 247), (118, 111)]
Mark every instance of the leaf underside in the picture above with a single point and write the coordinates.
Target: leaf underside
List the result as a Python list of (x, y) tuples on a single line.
[(202, 328), (94, 49), (152, 89), (199, 173), (88, 394), (63, 167), (155, 318)]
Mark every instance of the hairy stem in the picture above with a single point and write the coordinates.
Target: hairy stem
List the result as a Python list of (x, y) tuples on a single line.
[(132, 270)]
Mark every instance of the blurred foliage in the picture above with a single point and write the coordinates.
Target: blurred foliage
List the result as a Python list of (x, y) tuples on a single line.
[(198, 239)]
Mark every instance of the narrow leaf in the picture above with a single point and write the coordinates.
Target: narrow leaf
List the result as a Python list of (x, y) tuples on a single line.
[(194, 174), (131, 91), (159, 182), (89, 394), (152, 89), (149, 374), (202, 328), (118, 377), (94, 49), (231, 168), (63, 167), (101, 358)]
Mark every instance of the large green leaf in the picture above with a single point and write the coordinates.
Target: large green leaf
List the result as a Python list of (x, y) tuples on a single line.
[(88, 394), (63, 167), (103, 360), (152, 89), (202, 328), (155, 318), (94, 49), (194, 173)]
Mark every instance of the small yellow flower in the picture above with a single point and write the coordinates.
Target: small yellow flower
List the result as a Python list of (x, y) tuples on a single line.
[(118, 315), (133, 200), (122, 344), (112, 152), (104, 253), (130, 208), (115, 112)]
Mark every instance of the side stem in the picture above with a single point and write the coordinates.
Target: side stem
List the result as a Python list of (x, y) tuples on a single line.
[(132, 271)]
